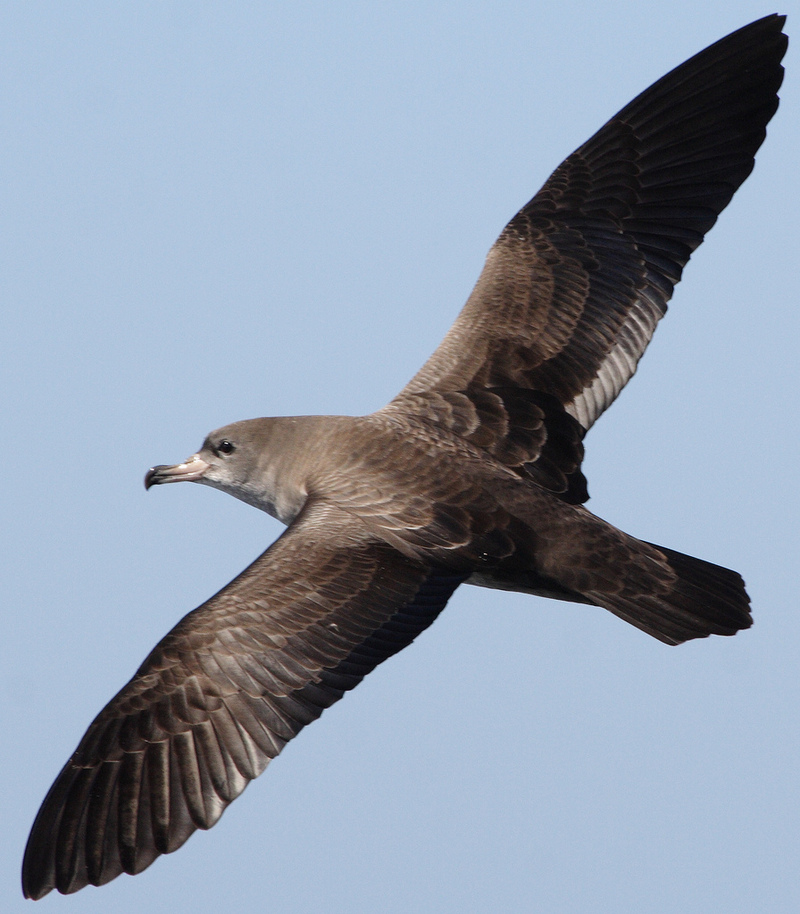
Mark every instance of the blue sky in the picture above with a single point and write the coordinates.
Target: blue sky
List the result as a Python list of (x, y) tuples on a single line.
[(218, 211)]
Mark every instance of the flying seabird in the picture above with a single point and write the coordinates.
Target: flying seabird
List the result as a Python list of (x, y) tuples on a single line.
[(472, 474)]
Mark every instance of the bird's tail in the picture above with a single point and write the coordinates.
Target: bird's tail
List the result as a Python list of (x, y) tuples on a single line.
[(671, 596), (702, 599)]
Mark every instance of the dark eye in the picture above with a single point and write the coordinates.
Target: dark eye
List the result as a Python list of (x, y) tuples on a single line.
[(226, 447)]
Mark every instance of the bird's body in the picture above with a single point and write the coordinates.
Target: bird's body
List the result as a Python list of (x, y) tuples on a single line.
[(472, 474)]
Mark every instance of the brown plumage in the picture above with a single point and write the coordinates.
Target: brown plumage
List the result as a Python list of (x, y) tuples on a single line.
[(471, 474)]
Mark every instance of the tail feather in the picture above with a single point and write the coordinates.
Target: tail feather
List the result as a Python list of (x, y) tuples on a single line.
[(575, 555), (702, 599)]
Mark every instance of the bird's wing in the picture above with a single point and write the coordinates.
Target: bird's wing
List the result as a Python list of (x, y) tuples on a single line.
[(223, 692), (573, 288)]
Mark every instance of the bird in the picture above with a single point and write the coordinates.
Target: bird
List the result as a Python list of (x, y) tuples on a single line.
[(470, 475)]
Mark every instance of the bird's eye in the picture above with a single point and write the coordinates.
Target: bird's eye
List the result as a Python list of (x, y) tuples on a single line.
[(226, 447)]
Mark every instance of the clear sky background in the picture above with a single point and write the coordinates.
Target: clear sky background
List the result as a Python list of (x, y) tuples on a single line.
[(218, 211)]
